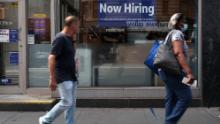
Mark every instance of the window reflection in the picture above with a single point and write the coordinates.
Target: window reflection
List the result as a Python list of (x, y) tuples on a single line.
[(118, 53), (39, 41)]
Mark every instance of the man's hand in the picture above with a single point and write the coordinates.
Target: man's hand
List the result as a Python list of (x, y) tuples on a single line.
[(191, 77), (53, 84)]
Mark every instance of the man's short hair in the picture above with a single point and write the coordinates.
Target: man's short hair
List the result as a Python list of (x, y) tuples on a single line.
[(69, 20)]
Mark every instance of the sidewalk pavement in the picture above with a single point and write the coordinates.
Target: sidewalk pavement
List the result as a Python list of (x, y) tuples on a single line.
[(117, 116)]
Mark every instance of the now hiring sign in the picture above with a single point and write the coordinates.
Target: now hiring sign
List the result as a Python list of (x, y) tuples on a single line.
[(120, 12)]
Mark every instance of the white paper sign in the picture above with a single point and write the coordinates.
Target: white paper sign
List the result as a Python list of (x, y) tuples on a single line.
[(4, 35), (31, 39)]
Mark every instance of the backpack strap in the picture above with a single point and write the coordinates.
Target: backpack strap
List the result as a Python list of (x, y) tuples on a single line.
[(168, 37)]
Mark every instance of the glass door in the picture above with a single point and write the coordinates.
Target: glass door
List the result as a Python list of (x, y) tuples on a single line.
[(39, 41)]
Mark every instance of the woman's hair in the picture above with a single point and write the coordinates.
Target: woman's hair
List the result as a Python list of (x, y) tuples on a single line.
[(174, 20)]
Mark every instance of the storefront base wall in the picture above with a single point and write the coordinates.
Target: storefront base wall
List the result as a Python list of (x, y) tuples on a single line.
[(10, 90), (211, 52), (123, 93), (113, 93), (125, 97)]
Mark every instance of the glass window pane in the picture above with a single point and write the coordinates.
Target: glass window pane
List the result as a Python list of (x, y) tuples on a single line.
[(39, 42), (39, 21), (9, 43), (118, 49)]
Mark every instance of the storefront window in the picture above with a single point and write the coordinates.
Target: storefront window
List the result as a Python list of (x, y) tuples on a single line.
[(9, 43), (116, 38), (39, 41)]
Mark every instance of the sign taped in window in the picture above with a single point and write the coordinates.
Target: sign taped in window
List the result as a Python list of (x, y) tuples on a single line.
[(2, 13), (118, 13)]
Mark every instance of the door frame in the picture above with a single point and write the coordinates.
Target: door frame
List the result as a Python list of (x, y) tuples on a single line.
[(53, 21), (22, 12)]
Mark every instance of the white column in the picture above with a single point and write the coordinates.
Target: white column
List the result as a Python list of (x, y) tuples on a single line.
[(22, 46)]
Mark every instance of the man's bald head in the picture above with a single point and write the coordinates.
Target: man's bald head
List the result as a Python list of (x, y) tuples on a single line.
[(69, 20)]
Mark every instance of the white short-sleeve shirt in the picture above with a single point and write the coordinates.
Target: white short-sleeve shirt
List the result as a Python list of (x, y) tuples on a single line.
[(177, 35)]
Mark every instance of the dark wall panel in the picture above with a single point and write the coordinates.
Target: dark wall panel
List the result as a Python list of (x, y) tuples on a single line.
[(211, 52)]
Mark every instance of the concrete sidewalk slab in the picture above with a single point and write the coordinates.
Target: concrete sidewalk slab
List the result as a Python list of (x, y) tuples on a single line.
[(117, 116)]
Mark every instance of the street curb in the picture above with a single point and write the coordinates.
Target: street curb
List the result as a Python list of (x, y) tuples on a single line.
[(29, 105), (127, 103)]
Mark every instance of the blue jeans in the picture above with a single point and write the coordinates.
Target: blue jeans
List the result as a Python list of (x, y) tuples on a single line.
[(178, 97), (67, 91)]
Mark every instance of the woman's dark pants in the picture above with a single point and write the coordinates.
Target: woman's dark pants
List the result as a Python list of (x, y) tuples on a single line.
[(178, 97)]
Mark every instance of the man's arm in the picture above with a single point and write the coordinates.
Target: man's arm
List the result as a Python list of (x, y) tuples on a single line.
[(178, 52), (56, 51), (51, 64)]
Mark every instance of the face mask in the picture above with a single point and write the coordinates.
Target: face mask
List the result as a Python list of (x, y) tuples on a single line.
[(184, 27)]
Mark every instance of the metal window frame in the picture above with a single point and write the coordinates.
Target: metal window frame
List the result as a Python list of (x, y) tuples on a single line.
[(21, 87), (200, 47), (22, 45), (144, 92)]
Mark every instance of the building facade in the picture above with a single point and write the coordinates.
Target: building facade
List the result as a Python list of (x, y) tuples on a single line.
[(111, 58)]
